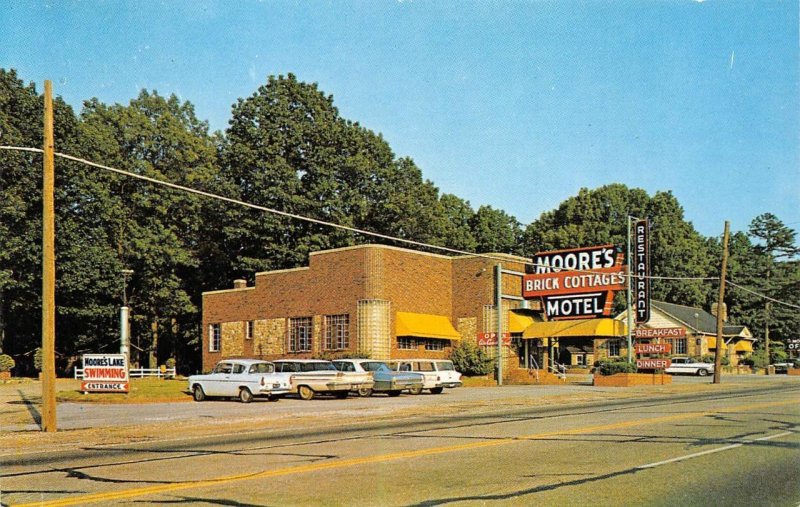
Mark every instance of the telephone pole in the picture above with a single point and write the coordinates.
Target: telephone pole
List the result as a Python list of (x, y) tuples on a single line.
[(48, 269), (720, 302)]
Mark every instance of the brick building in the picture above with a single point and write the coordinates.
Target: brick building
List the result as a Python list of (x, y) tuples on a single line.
[(380, 301)]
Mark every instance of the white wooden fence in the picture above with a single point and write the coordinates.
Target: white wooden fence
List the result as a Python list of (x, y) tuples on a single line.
[(139, 372)]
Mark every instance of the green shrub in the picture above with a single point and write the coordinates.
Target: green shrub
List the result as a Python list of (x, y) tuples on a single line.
[(171, 362), (6, 362), (37, 359), (709, 358), (470, 359), (610, 367)]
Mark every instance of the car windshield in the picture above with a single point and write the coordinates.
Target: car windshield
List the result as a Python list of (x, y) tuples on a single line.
[(446, 366), (262, 368), (375, 366)]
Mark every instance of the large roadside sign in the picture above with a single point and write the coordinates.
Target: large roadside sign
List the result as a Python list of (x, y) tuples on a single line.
[(576, 283), (641, 271), (653, 348), (653, 364), (105, 373), (642, 333)]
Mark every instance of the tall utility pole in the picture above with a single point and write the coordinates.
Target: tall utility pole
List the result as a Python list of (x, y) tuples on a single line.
[(48, 269), (720, 302)]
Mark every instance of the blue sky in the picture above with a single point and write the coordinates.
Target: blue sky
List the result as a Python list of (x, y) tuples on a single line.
[(512, 104)]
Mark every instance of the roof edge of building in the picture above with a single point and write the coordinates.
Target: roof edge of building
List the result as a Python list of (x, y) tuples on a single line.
[(221, 291), (373, 245), (278, 271)]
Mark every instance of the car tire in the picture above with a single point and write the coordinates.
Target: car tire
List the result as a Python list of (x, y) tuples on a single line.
[(245, 396), (198, 394), (415, 390), (437, 390), (702, 372), (394, 394), (305, 393), (365, 392)]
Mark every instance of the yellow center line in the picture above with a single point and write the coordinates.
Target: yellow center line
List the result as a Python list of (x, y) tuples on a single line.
[(343, 463)]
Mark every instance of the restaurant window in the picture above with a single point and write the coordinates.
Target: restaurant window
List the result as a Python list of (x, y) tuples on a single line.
[(406, 343), (680, 346), (300, 334), (434, 344), (213, 337), (249, 327), (337, 332), (613, 348)]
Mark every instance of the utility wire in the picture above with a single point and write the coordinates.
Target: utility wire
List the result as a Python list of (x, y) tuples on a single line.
[(764, 296), (339, 226)]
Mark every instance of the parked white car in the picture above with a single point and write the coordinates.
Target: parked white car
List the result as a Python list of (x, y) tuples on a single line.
[(385, 380), (242, 378), (689, 366), (308, 377), (437, 373)]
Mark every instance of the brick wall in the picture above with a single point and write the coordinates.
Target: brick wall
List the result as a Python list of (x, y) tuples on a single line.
[(334, 282)]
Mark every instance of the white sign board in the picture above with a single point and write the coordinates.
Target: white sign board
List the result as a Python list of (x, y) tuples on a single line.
[(105, 373)]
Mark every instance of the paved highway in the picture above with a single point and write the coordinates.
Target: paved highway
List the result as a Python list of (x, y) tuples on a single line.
[(717, 447)]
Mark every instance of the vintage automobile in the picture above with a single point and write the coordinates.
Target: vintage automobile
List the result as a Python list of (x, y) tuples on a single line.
[(385, 380), (437, 373), (689, 366), (242, 378), (309, 377)]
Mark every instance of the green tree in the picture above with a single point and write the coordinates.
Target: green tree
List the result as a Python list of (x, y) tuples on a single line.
[(496, 231), (155, 231), (599, 216), (776, 248), (83, 314), (457, 228), (288, 149)]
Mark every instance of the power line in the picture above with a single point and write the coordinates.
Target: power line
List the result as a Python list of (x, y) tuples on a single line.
[(764, 296), (344, 227)]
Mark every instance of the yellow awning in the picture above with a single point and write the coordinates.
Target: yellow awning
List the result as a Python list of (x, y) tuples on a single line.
[(744, 346), (425, 325), (712, 342), (583, 327), (518, 323)]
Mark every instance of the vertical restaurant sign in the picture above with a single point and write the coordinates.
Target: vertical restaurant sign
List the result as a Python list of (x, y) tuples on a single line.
[(105, 373), (641, 270), (576, 283)]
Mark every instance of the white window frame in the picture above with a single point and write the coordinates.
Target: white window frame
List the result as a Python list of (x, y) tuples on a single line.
[(337, 332), (406, 343), (301, 341), (214, 337)]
